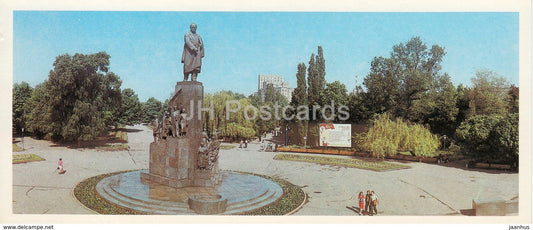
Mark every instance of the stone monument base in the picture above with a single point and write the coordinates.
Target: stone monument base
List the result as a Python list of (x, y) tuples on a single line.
[(170, 162), (147, 178), (206, 178)]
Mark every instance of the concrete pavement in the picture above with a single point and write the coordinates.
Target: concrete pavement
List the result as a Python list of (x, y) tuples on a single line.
[(424, 189)]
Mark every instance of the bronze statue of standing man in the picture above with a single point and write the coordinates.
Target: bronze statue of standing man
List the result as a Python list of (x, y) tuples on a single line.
[(193, 52)]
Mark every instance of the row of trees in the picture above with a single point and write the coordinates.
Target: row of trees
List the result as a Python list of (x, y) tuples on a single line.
[(410, 85), (243, 121), (79, 101), (315, 93)]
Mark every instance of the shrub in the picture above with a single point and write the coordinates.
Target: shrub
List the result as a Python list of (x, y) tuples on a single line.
[(386, 137), (473, 133), (491, 137), (503, 139), (236, 130)]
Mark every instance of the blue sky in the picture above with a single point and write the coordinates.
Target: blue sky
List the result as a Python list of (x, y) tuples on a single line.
[(146, 47)]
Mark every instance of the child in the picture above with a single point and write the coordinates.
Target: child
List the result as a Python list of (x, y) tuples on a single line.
[(361, 202), (60, 166)]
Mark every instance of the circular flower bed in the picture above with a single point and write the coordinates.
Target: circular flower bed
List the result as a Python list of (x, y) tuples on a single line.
[(293, 196), (85, 192)]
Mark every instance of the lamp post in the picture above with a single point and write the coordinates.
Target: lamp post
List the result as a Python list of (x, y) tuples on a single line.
[(286, 137), (444, 144), (22, 138)]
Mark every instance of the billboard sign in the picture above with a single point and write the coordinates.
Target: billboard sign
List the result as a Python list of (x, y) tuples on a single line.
[(335, 135)]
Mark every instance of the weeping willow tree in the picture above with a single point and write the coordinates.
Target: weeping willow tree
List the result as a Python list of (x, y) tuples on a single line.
[(386, 137), (239, 123)]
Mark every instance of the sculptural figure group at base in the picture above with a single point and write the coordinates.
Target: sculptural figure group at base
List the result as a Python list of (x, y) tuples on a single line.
[(174, 124), (208, 151)]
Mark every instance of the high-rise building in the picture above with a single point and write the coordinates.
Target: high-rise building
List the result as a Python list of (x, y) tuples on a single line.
[(276, 81)]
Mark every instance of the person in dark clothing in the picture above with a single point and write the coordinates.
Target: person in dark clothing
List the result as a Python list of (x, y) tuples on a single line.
[(368, 199)]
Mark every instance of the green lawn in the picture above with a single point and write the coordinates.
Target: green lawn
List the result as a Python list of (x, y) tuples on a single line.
[(121, 136), (24, 158), (226, 147), (17, 148), (112, 147), (374, 165)]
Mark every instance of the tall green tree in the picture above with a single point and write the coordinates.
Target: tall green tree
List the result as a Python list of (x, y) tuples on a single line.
[(316, 72), (402, 83), (274, 96), (438, 108), (151, 109), (382, 86), (21, 95), (357, 107), (299, 98), (462, 104), (312, 88), (503, 139), (274, 102), (513, 99), (335, 95), (83, 95), (320, 70), (489, 94), (129, 112), (38, 115), (299, 95)]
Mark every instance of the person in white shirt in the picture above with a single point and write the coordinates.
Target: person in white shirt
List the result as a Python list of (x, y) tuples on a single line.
[(374, 203)]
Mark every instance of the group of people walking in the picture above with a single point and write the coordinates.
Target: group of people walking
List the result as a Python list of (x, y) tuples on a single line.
[(368, 203), (245, 144)]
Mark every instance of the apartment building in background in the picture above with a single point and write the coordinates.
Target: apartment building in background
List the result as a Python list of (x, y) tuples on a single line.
[(278, 83)]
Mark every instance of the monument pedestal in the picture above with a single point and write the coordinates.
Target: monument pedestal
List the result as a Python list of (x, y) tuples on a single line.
[(207, 178), (169, 162), (174, 159)]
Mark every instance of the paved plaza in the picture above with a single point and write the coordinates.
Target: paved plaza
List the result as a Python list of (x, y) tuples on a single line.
[(424, 189)]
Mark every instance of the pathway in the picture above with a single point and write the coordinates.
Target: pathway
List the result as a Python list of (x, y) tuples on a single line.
[(424, 189)]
